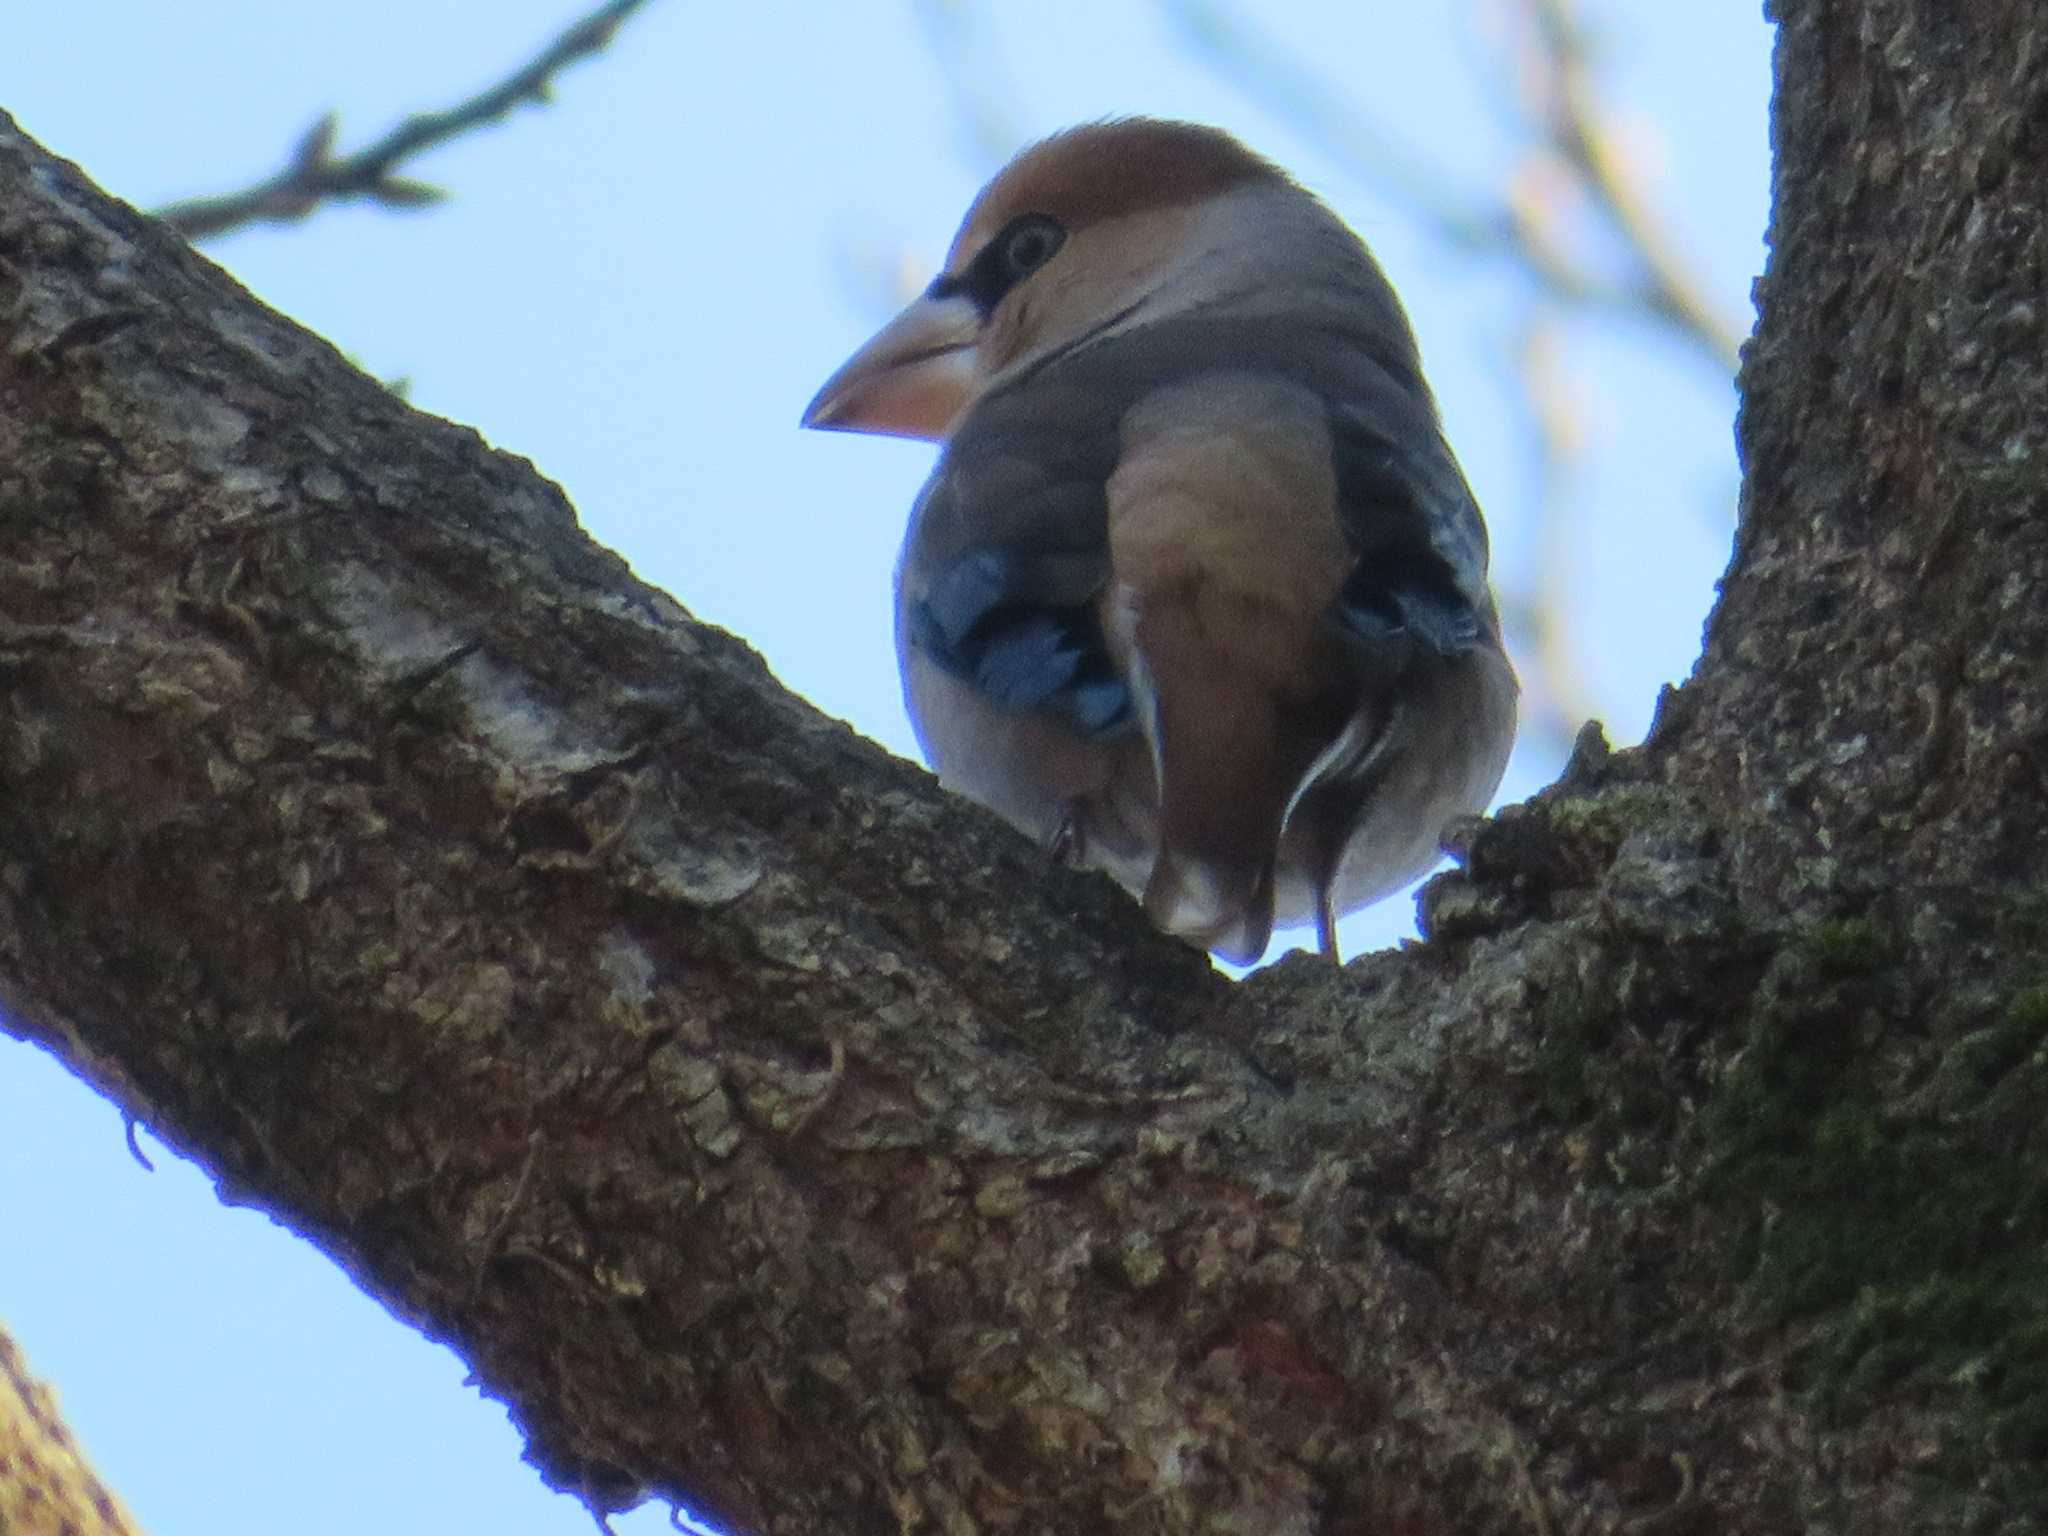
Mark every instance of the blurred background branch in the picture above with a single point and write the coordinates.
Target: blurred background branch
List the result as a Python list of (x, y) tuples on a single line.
[(1565, 128), (1572, 122), (314, 176), (1572, 215)]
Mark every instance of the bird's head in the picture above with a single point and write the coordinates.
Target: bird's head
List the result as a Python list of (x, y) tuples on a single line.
[(1071, 239)]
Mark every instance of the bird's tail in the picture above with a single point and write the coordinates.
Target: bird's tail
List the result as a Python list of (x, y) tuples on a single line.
[(1221, 790), (1212, 905)]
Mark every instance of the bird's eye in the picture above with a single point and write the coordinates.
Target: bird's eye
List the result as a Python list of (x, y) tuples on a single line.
[(1029, 244), (1021, 247)]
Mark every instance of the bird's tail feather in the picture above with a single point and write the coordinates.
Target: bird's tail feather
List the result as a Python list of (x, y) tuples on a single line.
[(1221, 789), (1211, 906)]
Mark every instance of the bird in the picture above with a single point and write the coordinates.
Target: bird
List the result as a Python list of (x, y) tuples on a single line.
[(1196, 592)]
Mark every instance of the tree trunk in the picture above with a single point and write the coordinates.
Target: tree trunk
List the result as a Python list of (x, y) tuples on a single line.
[(775, 1133)]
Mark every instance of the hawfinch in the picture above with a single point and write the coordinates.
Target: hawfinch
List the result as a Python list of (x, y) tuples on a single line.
[(1196, 593)]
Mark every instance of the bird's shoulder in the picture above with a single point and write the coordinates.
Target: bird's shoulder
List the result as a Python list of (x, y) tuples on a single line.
[(1029, 466)]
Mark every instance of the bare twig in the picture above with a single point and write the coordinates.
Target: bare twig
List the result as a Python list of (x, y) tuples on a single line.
[(1517, 229), (1321, 108), (1582, 133), (494, 1240), (129, 1126), (313, 176), (1573, 169), (1556, 698), (970, 67)]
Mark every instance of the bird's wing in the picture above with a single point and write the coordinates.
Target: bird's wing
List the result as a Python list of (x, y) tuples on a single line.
[(1006, 559), (1233, 536)]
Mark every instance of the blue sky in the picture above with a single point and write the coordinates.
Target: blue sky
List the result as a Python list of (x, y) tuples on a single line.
[(638, 289)]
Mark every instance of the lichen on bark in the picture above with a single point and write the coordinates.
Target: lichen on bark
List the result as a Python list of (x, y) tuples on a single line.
[(773, 1133)]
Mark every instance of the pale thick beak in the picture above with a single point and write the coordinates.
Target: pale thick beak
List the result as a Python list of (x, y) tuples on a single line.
[(910, 380)]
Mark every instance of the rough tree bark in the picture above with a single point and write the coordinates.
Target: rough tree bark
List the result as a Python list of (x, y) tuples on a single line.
[(774, 1133), (47, 1488)]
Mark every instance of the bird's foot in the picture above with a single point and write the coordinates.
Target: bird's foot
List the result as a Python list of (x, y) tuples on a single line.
[(1326, 927), (1069, 845)]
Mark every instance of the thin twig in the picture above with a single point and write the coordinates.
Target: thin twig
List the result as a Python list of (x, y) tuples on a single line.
[(1573, 158), (315, 176), (1579, 129), (494, 1240), (957, 34), (129, 1126), (1314, 102), (1507, 226), (1557, 700)]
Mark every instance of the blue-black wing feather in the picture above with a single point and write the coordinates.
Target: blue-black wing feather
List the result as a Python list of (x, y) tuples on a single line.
[(1419, 582), (1021, 626), (1009, 553)]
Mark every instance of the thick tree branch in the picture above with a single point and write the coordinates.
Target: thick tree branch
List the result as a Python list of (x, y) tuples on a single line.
[(314, 176), (47, 1488), (776, 1134)]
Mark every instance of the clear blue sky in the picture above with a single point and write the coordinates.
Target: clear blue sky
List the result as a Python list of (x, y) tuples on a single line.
[(638, 289)]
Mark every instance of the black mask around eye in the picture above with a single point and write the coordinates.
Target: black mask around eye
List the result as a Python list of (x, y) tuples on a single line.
[(1026, 243)]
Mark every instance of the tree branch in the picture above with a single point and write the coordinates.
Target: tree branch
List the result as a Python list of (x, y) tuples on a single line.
[(313, 176), (1510, 227), (47, 1488), (776, 1134), (1580, 130), (1574, 153)]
